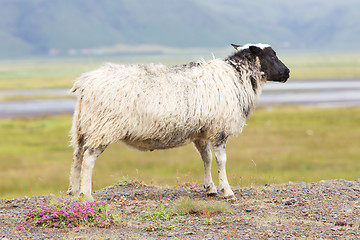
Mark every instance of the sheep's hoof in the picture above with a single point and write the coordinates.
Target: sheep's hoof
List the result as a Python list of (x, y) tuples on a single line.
[(211, 190), (211, 194), (70, 193)]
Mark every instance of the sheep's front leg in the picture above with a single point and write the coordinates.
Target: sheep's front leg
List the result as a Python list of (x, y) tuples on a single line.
[(87, 167), (204, 149), (220, 156)]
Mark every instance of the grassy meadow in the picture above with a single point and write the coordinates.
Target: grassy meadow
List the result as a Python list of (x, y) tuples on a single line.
[(277, 145), (60, 73), (319, 66)]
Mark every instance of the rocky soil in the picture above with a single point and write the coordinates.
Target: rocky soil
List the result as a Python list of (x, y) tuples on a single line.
[(323, 210)]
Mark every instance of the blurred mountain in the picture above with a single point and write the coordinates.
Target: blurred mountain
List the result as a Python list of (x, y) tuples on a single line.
[(41, 27)]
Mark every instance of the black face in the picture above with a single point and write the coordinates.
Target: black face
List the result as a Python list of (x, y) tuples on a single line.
[(271, 65)]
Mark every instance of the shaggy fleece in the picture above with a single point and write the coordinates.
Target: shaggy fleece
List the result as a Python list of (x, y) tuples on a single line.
[(153, 106)]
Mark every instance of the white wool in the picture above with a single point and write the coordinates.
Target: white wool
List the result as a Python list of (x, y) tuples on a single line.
[(153, 106), (259, 45)]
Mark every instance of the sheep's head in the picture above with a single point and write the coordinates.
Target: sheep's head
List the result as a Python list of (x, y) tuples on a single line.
[(271, 66)]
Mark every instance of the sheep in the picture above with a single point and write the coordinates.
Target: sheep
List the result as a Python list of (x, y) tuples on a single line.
[(152, 106)]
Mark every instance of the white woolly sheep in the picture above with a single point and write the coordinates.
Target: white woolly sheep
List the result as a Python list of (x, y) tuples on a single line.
[(152, 106)]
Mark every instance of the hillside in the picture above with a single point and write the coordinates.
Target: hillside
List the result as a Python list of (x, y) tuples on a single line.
[(40, 27)]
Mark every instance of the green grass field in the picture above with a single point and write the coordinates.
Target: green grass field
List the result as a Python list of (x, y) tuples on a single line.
[(328, 65), (60, 73), (277, 145)]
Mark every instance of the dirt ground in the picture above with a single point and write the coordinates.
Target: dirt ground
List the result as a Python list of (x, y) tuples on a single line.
[(324, 210)]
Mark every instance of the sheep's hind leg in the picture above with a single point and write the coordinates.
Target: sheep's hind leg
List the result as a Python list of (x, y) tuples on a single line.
[(90, 156), (204, 149), (74, 184), (220, 156)]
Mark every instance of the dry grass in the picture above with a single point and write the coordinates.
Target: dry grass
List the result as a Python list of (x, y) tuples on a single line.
[(186, 205)]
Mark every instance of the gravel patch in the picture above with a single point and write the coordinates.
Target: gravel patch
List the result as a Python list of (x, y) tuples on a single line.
[(324, 210)]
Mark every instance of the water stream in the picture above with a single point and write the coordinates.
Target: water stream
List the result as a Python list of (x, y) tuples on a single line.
[(321, 93)]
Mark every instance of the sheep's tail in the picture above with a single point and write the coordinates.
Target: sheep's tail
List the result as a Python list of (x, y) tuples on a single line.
[(76, 136)]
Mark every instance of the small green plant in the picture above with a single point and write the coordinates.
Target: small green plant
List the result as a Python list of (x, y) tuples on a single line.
[(68, 213), (162, 219), (126, 181), (186, 205), (159, 227), (160, 213)]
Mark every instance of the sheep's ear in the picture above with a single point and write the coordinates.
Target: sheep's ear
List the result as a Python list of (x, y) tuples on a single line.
[(236, 46)]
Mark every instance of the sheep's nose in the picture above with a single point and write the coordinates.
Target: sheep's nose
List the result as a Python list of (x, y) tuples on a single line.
[(286, 72)]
